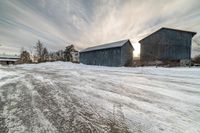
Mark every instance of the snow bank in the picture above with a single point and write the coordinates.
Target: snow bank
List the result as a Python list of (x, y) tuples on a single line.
[(178, 71)]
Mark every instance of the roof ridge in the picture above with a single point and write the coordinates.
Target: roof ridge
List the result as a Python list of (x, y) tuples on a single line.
[(178, 30), (109, 45), (162, 28)]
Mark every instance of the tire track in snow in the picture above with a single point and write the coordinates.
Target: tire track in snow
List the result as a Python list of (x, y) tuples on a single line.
[(86, 99), (79, 113)]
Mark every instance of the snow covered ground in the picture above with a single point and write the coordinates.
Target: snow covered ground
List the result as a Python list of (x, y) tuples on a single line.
[(65, 97)]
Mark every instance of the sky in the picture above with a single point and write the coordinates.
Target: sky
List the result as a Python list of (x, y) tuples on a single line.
[(86, 23)]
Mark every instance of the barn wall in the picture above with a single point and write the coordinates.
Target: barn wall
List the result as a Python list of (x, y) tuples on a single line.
[(3, 63), (7, 62), (127, 54), (105, 57), (167, 45)]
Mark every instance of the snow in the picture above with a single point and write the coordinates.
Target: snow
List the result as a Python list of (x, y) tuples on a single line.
[(67, 97), (4, 73)]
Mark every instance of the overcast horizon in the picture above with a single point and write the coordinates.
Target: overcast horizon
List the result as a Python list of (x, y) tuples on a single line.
[(87, 23)]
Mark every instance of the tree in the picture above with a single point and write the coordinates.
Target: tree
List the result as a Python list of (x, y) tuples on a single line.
[(197, 40), (25, 57), (45, 54), (67, 53), (40, 51), (22, 50), (197, 59), (39, 48)]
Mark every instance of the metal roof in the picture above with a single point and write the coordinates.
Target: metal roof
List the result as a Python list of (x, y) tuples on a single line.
[(191, 32), (9, 57), (14, 60), (106, 46), (164, 28)]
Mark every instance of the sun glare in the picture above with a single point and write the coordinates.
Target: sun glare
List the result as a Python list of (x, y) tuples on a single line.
[(137, 49)]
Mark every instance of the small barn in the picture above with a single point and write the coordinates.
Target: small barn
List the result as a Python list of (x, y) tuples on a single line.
[(8, 60), (112, 54), (167, 44)]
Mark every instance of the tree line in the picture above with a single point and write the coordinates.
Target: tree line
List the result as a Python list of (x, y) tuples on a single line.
[(43, 55)]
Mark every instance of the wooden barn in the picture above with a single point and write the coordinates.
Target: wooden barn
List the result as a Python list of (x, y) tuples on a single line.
[(8, 60), (112, 54), (167, 45)]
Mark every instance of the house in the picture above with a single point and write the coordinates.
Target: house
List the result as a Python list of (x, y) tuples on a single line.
[(112, 54), (167, 44), (8, 60)]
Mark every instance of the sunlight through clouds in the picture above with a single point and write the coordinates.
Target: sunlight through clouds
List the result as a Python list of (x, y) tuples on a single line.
[(88, 23)]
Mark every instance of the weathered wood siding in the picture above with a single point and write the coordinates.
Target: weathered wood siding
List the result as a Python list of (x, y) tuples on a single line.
[(120, 56), (166, 45), (7, 63), (104, 57), (127, 54)]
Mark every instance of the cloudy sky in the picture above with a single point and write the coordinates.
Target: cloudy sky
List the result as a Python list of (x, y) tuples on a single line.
[(87, 23)]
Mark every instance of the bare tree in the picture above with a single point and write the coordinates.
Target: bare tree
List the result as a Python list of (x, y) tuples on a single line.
[(197, 59), (22, 50), (45, 54), (31, 50), (39, 48), (39, 51), (197, 40)]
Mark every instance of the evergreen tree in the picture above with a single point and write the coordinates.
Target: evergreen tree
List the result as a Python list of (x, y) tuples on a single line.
[(67, 52)]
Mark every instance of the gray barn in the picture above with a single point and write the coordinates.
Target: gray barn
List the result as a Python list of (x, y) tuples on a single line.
[(167, 44), (113, 54)]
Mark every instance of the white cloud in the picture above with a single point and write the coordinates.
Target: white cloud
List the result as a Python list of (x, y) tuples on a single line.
[(92, 22)]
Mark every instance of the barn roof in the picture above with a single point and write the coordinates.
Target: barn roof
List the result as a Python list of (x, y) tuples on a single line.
[(164, 28), (14, 60), (9, 57), (106, 46)]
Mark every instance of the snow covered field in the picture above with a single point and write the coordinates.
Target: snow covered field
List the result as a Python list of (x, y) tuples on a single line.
[(65, 97)]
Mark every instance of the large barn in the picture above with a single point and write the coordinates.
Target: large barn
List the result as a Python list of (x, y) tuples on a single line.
[(112, 54), (167, 45)]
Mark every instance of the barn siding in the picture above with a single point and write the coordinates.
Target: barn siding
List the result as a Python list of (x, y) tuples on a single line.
[(167, 45), (105, 57), (7, 62), (127, 54)]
